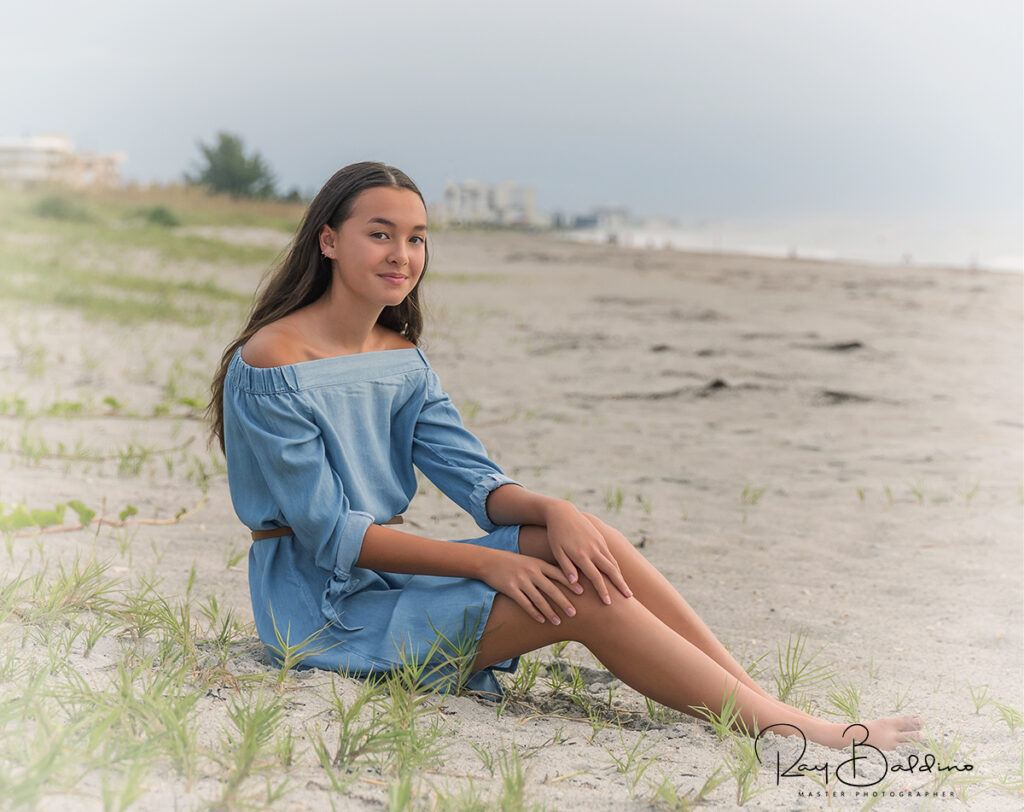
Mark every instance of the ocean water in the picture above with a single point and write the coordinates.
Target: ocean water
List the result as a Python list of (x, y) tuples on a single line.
[(990, 242)]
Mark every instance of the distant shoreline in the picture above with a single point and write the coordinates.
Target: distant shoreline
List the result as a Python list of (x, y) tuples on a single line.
[(860, 243)]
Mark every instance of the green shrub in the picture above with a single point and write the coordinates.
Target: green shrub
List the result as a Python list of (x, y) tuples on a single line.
[(160, 216), (56, 207)]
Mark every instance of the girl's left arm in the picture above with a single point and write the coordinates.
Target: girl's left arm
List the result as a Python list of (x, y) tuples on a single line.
[(456, 461), (576, 543)]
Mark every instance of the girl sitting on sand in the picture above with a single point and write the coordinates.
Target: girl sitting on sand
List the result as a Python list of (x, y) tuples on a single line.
[(325, 403)]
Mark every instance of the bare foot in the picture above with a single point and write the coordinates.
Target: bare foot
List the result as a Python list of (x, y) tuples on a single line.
[(885, 734), (882, 734)]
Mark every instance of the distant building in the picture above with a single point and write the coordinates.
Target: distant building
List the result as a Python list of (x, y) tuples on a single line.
[(503, 204), (611, 218), (606, 218), (51, 159)]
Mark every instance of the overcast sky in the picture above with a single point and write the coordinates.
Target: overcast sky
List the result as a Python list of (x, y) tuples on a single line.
[(690, 108)]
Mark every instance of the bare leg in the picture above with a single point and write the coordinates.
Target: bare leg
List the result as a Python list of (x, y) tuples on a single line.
[(657, 661), (654, 591)]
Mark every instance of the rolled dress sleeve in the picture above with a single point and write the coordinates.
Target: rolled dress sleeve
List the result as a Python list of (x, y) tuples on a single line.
[(452, 457), (288, 454)]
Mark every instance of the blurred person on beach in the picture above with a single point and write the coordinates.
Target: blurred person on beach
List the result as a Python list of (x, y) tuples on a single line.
[(324, 404)]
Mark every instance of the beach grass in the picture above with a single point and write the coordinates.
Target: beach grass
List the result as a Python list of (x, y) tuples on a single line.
[(168, 663), (35, 277)]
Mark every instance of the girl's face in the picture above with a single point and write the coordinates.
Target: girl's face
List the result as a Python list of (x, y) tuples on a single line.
[(378, 253)]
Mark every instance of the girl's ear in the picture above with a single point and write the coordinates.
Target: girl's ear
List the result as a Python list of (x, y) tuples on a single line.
[(328, 241)]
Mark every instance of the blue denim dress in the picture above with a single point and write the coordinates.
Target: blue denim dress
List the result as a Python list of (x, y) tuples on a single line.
[(327, 447)]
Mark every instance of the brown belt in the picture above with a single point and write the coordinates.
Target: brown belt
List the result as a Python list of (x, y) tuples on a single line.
[(277, 532)]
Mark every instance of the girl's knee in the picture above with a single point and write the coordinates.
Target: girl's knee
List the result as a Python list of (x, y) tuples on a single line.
[(613, 538)]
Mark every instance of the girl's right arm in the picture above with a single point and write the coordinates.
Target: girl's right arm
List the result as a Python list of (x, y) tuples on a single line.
[(530, 582)]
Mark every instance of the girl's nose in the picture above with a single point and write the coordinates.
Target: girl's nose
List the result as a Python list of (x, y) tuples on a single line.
[(400, 257)]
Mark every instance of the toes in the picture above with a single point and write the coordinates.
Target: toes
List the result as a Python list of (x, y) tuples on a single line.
[(901, 723), (912, 722)]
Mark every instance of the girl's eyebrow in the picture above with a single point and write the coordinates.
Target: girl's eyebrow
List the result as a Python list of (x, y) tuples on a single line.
[(388, 223)]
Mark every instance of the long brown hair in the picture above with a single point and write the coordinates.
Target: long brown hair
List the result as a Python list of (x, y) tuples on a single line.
[(305, 274)]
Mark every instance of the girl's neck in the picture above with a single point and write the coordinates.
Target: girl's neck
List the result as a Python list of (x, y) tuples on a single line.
[(343, 325)]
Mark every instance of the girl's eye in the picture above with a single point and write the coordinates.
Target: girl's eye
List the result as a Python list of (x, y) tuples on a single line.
[(383, 235)]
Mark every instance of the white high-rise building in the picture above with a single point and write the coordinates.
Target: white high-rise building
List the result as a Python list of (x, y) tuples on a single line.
[(506, 203)]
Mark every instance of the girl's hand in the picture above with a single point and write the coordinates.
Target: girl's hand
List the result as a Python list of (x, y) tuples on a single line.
[(531, 583), (578, 546)]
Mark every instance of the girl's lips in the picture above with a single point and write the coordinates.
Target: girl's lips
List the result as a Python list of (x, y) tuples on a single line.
[(395, 279)]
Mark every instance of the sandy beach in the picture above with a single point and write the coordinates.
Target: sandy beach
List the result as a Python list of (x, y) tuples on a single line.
[(809, 449)]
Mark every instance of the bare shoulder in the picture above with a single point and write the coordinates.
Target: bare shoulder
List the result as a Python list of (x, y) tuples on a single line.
[(394, 341), (287, 341), (275, 345)]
